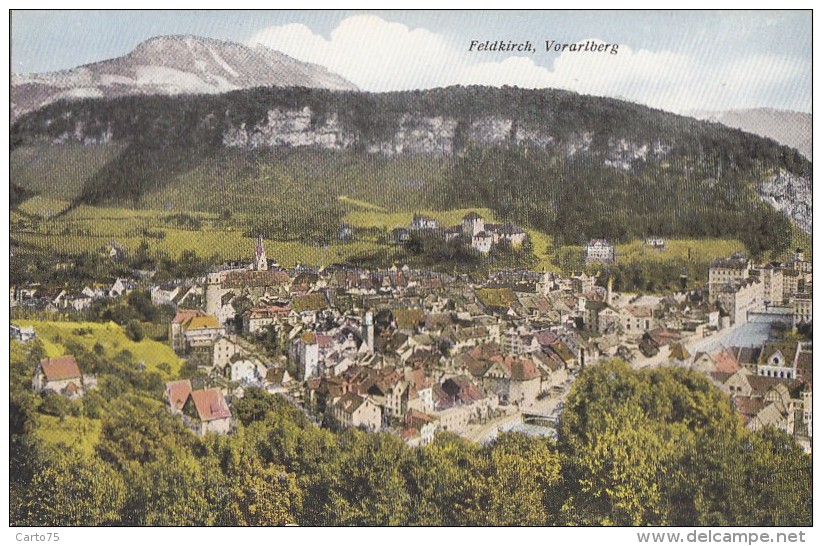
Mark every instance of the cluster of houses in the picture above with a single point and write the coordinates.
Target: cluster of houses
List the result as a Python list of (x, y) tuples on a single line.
[(771, 385), (740, 288), (60, 299), (473, 230), (414, 352)]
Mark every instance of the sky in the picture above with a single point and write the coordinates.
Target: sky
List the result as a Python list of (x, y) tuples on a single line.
[(681, 61)]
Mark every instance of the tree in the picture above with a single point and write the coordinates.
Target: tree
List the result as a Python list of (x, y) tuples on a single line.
[(261, 494), (134, 330), (136, 431), (68, 489)]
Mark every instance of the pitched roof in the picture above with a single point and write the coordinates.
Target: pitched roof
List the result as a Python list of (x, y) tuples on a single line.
[(310, 302), (523, 370), (177, 393), (726, 361), (761, 385), (748, 355), (720, 377), (275, 375), (243, 279), (749, 407), (185, 314), (679, 352), (349, 403), (58, 369), (201, 322), (787, 349), (210, 404), (408, 319)]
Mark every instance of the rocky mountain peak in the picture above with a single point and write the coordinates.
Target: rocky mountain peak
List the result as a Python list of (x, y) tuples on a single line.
[(173, 65)]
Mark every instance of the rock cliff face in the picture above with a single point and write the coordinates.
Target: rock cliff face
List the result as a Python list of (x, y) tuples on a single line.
[(290, 128), (792, 195), (453, 122)]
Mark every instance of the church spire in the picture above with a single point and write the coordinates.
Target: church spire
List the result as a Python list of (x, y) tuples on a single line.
[(260, 261)]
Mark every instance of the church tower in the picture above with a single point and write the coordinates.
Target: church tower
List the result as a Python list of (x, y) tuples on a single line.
[(369, 330), (260, 261)]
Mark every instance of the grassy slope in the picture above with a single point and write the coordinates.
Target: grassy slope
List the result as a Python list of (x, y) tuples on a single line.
[(376, 191), (80, 433), (59, 171), (702, 250), (254, 181), (55, 335)]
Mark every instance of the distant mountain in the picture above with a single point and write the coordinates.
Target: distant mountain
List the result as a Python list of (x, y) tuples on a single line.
[(172, 65), (788, 128)]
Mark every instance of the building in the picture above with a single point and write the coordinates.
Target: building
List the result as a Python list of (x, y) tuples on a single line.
[(773, 282), (175, 328), (800, 264), (472, 224), (60, 375), (353, 410), (200, 332), (260, 260), (257, 319), (21, 333), (418, 428), (176, 395), (738, 297), (422, 223), (657, 243), (737, 267), (600, 250), (482, 242), (305, 351), (206, 411), (802, 309), (509, 233)]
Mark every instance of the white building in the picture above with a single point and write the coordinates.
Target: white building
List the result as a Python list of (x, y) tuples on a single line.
[(600, 250)]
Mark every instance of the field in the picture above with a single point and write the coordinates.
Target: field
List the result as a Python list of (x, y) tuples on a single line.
[(55, 335), (90, 229), (697, 250)]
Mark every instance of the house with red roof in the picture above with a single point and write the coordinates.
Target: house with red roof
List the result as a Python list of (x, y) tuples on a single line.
[(206, 411), (60, 375), (176, 395)]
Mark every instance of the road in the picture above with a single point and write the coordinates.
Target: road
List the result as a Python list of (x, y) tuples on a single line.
[(486, 431)]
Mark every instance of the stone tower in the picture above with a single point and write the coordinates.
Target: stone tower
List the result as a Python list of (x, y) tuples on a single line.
[(368, 334), (213, 294)]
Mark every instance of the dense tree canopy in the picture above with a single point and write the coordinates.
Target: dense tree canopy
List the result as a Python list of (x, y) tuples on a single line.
[(658, 447)]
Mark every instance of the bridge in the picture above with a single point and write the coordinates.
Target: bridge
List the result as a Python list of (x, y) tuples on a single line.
[(539, 419)]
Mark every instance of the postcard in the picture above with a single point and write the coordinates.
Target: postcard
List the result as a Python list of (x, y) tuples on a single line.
[(411, 269)]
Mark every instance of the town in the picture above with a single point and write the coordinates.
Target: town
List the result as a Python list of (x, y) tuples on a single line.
[(414, 352)]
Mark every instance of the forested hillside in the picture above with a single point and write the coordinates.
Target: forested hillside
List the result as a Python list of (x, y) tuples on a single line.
[(571, 165)]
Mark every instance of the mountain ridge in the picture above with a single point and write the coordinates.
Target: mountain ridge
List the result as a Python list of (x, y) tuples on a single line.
[(572, 165), (787, 127)]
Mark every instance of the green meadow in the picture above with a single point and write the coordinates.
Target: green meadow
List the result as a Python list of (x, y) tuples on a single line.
[(158, 357)]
